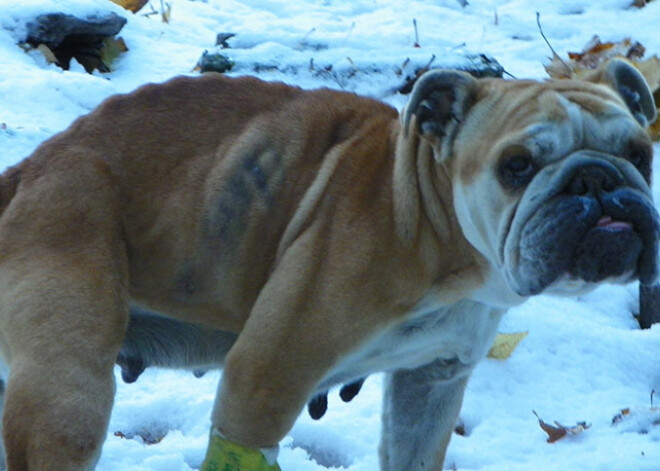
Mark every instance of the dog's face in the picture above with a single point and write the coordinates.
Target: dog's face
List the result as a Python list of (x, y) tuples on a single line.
[(554, 191)]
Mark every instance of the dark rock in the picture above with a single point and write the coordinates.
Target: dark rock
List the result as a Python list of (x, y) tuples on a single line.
[(477, 65), (54, 28), (70, 37), (214, 62), (482, 65)]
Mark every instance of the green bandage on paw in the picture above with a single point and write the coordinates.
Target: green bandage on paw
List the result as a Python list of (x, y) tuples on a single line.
[(223, 455)]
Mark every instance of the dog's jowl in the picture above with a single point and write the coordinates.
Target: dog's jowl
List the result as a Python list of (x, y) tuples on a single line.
[(304, 239)]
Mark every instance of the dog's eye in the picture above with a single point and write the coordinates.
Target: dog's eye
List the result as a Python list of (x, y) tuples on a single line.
[(516, 168)]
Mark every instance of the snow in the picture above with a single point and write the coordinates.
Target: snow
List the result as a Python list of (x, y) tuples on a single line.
[(583, 360)]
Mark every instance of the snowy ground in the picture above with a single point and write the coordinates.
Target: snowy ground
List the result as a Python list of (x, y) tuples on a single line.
[(583, 360)]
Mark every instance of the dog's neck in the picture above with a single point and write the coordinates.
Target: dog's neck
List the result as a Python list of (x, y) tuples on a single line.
[(423, 202), (421, 189)]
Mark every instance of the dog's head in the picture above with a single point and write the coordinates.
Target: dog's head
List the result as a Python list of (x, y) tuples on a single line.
[(551, 180)]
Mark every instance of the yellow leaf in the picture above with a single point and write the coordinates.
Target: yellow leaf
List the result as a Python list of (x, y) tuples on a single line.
[(111, 49), (131, 5), (505, 344)]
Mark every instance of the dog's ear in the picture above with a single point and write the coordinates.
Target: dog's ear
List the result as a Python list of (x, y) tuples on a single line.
[(631, 85), (438, 102)]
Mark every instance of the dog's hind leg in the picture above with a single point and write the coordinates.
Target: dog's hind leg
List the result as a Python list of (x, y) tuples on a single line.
[(62, 335), (63, 313)]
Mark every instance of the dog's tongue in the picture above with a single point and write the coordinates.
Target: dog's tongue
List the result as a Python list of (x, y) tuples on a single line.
[(608, 223)]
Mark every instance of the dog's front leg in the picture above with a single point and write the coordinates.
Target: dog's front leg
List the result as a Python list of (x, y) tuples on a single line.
[(270, 374), (420, 409), (303, 322)]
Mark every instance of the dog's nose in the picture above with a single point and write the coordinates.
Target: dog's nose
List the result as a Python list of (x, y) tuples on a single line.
[(594, 179)]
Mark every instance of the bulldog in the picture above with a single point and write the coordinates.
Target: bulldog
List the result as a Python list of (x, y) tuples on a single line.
[(305, 239)]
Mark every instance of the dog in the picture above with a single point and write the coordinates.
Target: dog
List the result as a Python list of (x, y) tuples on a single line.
[(305, 239)]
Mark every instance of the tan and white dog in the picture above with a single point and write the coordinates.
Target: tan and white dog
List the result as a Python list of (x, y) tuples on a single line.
[(311, 238)]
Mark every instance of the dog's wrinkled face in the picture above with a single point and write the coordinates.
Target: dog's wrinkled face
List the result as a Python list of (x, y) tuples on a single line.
[(557, 197), (562, 198)]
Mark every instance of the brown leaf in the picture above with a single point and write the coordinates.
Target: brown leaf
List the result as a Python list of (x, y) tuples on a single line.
[(559, 431), (594, 54), (554, 433)]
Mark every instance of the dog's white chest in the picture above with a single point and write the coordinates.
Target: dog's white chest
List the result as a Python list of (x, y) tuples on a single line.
[(459, 334)]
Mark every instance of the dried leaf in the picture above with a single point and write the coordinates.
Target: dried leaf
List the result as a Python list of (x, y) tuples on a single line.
[(654, 129), (48, 54), (559, 431), (166, 12), (592, 50), (596, 55), (131, 5), (554, 433), (650, 69), (558, 69), (460, 429), (111, 49), (505, 344), (148, 437), (618, 418), (639, 419)]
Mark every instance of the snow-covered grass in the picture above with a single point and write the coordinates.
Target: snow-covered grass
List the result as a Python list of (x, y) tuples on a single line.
[(583, 359)]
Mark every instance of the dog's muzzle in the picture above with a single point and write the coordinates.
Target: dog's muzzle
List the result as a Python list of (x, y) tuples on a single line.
[(597, 223)]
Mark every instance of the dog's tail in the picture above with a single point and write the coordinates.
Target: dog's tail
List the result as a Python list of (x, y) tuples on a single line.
[(9, 181)]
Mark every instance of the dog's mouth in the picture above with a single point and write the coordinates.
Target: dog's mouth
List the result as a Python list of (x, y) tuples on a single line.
[(609, 224), (611, 249), (589, 239), (587, 219)]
